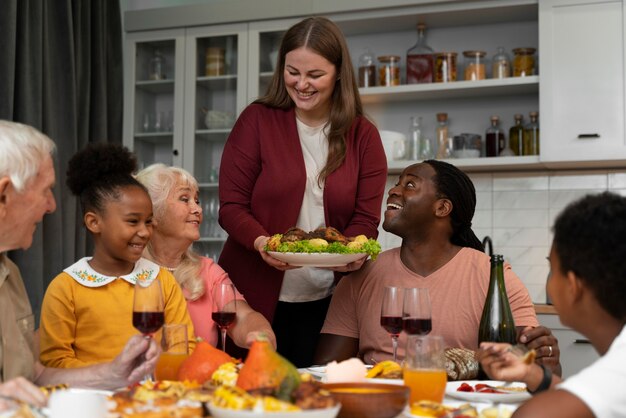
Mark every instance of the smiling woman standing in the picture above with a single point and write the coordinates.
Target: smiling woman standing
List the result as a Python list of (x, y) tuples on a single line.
[(302, 155)]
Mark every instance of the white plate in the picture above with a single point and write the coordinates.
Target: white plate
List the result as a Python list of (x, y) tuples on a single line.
[(512, 396), (218, 412), (386, 381), (316, 259), (480, 406)]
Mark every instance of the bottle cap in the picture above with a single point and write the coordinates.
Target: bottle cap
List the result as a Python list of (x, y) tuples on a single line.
[(495, 118), (442, 117), (533, 114), (518, 116), (421, 26)]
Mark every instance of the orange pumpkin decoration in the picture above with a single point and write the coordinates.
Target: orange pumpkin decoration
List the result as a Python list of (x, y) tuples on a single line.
[(201, 364), (264, 368)]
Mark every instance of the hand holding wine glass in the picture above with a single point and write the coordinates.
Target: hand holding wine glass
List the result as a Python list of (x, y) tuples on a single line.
[(148, 314), (416, 313), (224, 308), (391, 315)]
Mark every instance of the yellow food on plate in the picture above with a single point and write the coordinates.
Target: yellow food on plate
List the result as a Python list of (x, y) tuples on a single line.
[(496, 412), (385, 370), (429, 409), (226, 374)]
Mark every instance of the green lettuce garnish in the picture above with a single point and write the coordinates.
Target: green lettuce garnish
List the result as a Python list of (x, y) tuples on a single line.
[(370, 247)]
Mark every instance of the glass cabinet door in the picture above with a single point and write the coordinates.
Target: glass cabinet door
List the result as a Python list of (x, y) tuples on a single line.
[(215, 94), (264, 39), (153, 102)]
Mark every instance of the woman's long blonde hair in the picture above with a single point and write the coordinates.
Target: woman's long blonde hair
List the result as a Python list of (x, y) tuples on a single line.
[(160, 180)]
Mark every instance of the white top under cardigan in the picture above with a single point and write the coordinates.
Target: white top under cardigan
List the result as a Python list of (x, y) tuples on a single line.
[(308, 284)]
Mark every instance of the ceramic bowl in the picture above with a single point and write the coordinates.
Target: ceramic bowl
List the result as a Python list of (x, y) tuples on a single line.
[(369, 400)]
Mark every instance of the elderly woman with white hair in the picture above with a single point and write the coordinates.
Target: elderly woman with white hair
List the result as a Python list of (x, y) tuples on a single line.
[(176, 226)]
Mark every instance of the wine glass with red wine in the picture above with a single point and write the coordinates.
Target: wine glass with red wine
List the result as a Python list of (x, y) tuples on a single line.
[(148, 314), (224, 308), (416, 314), (391, 314)]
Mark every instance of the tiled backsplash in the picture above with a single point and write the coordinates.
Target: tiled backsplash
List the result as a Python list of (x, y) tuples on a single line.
[(517, 210)]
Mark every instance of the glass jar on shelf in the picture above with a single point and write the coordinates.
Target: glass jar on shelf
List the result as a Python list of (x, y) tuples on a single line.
[(531, 135), (501, 64), (389, 70), (445, 67), (474, 62), (523, 62), (156, 69), (419, 60), (215, 62), (367, 69)]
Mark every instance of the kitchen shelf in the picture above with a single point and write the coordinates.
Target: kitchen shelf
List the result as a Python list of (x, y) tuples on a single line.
[(453, 90), (220, 82), (155, 137), (156, 86), (207, 132), (490, 164)]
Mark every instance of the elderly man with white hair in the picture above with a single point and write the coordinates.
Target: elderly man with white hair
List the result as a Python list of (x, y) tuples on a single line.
[(27, 179)]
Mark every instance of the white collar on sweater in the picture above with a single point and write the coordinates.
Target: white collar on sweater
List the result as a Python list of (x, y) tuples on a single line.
[(145, 271)]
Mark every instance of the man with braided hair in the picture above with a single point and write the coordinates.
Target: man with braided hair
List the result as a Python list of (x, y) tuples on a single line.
[(431, 209)]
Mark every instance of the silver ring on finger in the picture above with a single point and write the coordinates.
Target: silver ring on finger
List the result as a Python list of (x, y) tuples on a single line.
[(549, 351)]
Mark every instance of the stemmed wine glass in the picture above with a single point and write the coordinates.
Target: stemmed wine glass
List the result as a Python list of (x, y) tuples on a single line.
[(416, 313), (224, 308), (148, 314), (391, 314)]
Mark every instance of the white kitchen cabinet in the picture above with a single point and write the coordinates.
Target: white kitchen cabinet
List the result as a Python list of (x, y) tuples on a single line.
[(576, 351), (153, 97), (582, 51), (183, 118)]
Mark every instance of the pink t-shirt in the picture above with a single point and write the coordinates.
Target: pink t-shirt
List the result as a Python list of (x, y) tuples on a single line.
[(200, 309), (457, 294)]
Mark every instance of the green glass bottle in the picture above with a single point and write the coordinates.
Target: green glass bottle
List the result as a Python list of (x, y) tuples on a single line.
[(516, 135), (496, 322)]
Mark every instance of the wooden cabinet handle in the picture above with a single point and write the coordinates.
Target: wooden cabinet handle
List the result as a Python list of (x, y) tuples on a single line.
[(582, 341), (588, 136)]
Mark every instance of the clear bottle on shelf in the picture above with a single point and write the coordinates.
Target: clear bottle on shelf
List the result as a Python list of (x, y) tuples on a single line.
[(420, 60), (443, 149), (367, 69), (531, 135), (494, 138), (516, 135), (415, 139), (501, 64)]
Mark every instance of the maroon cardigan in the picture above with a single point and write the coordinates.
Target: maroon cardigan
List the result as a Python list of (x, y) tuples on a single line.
[(262, 181)]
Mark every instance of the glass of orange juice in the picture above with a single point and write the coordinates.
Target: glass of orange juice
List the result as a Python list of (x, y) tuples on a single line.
[(425, 368), (175, 348)]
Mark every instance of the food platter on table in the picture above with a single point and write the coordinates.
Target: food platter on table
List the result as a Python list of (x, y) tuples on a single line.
[(512, 392), (316, 259)]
